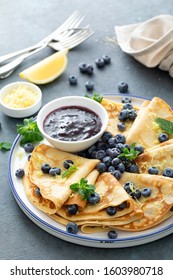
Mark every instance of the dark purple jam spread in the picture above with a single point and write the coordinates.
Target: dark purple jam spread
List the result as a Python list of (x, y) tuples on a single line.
[(72, 123)]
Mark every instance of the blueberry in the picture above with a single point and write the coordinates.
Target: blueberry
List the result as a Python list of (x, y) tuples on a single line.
[(123, 87), (146, 192), (153, 170), (106, 136), (106, 59), (55, 171), (122, 206), (72, 209), (132, 115), (116, 162), (29, 157), (83, 67), (121, 126), (89, 85), (100, 154), (100, 62), (29, 147), (72, 227), (120, 138), (129, 187), (111, 169), (136, 194), (120, 147), (128, 106), (91, 150), (101, 167), (139, 148), (100, 145), (107, 160), (168, 172), (111, 142), (111, 210), (67, 163), (45, 168), (127, 146), (126, 99), (90, 69), (163, 137), (72, 80), (112, 234), (121, 167), (20, 173), (123, 115), (112, 152), (117, 174), (94, 198), (134, 168), (37, 192)]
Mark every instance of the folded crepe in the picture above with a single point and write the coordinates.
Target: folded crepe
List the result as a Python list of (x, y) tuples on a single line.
[(94, 218), (113, 109), (54, 190), (145, 130), (156, 207)]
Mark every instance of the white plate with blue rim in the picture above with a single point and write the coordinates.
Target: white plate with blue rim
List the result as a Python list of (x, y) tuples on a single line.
[(17, 159)]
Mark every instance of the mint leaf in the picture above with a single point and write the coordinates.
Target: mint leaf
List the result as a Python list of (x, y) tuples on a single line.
[(6, 146), (69, 171), (83, 188), (165, 125), (96, 96), (130, 154)]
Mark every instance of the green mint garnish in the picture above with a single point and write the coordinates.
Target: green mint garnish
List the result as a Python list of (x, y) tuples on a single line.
[(165, 125), (30, 132), (83, 188), (96, 96), (6, 146), (69, 171), (130, 154)]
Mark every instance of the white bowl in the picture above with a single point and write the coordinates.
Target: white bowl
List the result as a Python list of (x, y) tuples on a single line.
[(20, 112), (73, 146)]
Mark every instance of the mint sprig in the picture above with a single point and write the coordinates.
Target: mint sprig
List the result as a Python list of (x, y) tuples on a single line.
[(130, 154), (6, 146), (29, 131), (95, 96), (83, 188), (165, 125), (69, 171)]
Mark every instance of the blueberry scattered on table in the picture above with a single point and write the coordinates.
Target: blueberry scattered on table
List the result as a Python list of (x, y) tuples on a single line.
[(28, 147), (90, 69), (20, 173), (123, 87), (112, 234), (72, 209), (72, 227), (94, 198), (72, 80), (89, 85), (106, 58), (83, 67), (100, 63)]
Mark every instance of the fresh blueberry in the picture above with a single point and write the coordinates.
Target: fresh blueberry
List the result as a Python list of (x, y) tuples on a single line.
[(134, 168), (119, 138), (83, 67), (29, 157), (112, 234), (20, 173), (120, 147), (126, 99), (101, 167), (116, 162), (45, 168), (55, 171), (91, 150), (129, 187), (123, 87), (168, 172), (106, 136), (111, 169), (94, 198), (122, 206), (100, 145), (89, 85), (100, 62), (123, 115), (111, 142), (111, 210), (163, 137), (72, 209), (117, 174), (90, 69), (113, 152), (146, 192), (106, 59), (136, 194), (107, 160), (153, 170), (139, 148), (128, 106), (72, 227), (100, 154), (67, 163), (121, 126), (29, 147), (37, 192), (121, 167), (132, 115), (72, 80)]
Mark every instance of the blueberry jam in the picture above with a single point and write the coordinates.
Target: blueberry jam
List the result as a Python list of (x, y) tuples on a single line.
[(72, 123)]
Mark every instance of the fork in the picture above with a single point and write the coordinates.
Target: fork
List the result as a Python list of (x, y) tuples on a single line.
[(69, 43)]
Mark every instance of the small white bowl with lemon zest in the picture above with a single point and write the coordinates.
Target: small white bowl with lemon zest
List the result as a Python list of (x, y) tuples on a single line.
[(20, 99)]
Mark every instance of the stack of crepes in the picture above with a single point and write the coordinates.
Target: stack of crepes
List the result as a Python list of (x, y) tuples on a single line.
[(138, 214)]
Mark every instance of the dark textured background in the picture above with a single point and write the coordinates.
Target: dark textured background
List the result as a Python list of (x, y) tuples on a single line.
[(23, 23)]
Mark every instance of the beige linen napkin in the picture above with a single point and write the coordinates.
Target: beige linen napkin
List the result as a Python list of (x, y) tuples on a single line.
[(150, 42)]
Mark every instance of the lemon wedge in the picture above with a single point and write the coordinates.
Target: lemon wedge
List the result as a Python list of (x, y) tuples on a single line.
[(47, 70)]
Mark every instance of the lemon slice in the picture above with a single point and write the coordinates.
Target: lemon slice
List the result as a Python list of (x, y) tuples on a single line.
[(46, 70)]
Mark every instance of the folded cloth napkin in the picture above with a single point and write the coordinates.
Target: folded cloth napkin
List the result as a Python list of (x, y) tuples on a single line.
[(150, 42)]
